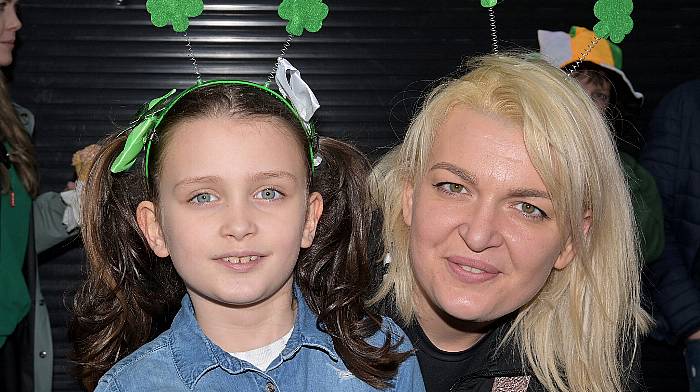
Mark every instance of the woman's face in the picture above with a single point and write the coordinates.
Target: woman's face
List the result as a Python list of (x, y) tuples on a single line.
[(483, 232), (9, 24)]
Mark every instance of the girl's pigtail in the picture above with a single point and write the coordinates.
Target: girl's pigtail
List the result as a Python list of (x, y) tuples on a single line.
[(334, 273), (129, 294)]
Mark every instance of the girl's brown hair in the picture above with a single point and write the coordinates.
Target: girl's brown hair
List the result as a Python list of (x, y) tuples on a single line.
[(21, 152), (129, 295)]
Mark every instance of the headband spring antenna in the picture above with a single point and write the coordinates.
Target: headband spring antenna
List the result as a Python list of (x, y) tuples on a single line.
[(283, 52), (494, 35), (190, 52), (583, 55)]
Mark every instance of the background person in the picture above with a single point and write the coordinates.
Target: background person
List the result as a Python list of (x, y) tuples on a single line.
[(602, 77), (30, 223), (672, 155)]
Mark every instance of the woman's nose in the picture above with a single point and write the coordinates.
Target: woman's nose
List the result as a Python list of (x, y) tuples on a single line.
[(480, 227)]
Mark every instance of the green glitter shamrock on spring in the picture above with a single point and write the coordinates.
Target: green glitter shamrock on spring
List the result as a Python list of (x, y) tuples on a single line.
[(303, 15), (615, 20), (175, 12)]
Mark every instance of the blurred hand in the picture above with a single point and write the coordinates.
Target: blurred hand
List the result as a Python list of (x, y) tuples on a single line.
[(82, 160)]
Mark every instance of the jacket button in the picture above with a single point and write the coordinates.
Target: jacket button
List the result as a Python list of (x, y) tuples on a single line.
[(43, 354), (270, 387)]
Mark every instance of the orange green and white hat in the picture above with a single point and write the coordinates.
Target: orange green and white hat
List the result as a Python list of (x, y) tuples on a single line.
[(563, 49)]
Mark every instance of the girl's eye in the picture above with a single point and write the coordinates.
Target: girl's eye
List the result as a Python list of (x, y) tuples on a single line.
[(531, 211), (268, 194), (203, 198), (451, 187)]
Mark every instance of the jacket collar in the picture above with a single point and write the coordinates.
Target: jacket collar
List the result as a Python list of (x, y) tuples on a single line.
[(194, 354)]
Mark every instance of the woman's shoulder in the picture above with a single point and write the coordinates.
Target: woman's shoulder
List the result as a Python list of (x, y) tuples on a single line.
[(149, 364)]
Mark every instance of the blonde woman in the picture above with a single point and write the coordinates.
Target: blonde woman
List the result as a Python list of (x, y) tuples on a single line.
[(509, 225)]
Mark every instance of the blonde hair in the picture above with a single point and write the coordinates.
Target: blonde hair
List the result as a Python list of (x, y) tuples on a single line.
[(580, 331)]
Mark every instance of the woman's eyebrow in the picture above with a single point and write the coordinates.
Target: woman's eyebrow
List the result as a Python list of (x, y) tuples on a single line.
[(457, 171), (529, 192), (471, 179)]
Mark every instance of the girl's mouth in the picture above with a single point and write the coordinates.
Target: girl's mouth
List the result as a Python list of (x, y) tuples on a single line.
[(240, 260)]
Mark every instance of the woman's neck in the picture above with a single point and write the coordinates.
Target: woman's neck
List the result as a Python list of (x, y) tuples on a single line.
[(243, 328), (446, 332)]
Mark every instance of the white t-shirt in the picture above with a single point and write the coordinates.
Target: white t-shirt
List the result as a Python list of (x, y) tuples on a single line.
[(262, 357)]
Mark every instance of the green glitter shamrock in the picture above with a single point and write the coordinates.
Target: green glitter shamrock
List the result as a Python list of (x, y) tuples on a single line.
[(615, 20), (488, 3), (175, 12), (303, 14)]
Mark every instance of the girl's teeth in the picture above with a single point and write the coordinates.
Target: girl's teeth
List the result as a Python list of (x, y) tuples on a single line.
[(471, 269), (240, 260)]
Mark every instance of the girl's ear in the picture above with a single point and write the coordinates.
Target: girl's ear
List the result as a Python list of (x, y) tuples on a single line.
[(150, 227), (313, 214)]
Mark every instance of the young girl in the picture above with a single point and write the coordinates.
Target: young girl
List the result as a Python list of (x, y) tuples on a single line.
[(265, 250)]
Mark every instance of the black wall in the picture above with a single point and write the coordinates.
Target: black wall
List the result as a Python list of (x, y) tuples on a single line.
[(83, 65)]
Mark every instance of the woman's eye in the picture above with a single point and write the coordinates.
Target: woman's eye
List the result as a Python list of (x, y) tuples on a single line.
[(203, 198), (451, 187), (268, 194), (530, 210)]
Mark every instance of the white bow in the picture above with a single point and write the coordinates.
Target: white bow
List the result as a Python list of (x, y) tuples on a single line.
[(292, 87)]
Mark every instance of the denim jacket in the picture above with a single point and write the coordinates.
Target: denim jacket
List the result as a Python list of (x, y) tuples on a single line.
[(184, 359)]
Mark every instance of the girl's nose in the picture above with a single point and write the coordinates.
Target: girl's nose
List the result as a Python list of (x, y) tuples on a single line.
[(238, 221)]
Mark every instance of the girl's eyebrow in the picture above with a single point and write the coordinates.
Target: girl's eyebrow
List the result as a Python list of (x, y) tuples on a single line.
[(261, 176), (274, 174), (198, 180)]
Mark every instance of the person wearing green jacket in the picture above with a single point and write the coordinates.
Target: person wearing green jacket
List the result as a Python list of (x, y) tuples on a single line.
[(30, 223)]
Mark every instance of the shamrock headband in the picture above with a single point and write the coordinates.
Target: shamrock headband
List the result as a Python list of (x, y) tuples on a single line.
[(145, 126), (614, 23), (293, 91)]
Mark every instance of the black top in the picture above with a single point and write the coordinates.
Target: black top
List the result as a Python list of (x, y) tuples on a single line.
[(441, 369), (480, 366)]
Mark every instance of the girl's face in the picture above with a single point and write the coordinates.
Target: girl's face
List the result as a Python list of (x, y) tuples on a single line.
[(483, 234), (233, 209), (9, 24)]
